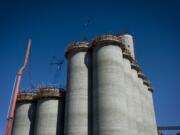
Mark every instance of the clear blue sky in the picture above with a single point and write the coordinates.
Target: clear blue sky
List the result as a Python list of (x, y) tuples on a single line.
[(52, 25)]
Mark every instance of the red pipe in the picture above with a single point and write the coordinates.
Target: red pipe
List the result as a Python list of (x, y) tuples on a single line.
[(13, 105)]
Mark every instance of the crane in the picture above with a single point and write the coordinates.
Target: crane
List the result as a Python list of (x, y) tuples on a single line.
[(59, 63), (16, 91)]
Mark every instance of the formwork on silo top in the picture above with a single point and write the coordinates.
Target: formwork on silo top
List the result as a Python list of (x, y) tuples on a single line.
[(51, 92), (107, 39), (77, 46)]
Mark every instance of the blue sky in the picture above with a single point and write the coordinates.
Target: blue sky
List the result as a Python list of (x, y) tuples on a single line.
[(52, 25)]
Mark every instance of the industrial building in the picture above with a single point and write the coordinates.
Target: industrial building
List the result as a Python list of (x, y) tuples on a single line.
[(107, 93)]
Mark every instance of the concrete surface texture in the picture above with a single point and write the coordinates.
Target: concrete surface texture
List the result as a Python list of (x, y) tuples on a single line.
[(76, 112), (131, 101), (153, 124), (24, 119), (150, 114), (143, 100), (109, 96), (137, 103), (47, 120)]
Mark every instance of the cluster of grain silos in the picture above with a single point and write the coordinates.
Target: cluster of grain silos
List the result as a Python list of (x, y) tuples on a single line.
[(39, 113), (107, 94)]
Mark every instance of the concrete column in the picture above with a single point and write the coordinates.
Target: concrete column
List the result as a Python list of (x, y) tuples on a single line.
[(76, 113), (109, 103)]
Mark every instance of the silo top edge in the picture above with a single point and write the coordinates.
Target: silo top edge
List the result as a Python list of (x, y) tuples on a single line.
[(107, 38), (135, 66), (146, 82), (84, 46), (141, 75), (51, 92), (26, 96), (127, 55), (150, 88)]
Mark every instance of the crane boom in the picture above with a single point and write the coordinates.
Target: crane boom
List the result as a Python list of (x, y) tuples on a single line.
[(13, 104)]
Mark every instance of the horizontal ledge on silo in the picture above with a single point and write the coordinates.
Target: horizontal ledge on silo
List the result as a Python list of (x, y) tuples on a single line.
[(135, 66), (100, 40), (127, 55), (83, 46), (51, 93), (26, 96), (150, 88), (141, 75), (146, 82)]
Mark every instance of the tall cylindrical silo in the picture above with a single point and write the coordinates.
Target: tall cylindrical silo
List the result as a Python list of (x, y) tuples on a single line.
[(130, 92), (76, 106), (50, 112), (148, 115), (109, 96), (23, 123), (149, 107), (127, 39), (137, 99), (143, 100)]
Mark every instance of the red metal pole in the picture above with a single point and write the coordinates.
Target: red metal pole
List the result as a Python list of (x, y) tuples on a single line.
[(13, 105)]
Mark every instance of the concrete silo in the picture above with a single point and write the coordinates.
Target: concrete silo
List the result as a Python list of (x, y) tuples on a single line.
[(130, 92), (76, 106), (151, 128), (148, 115), (109, 97), (136, 90), (131, 85), (50, 112), (137, 99), (153, 124), (23, 123), (127, 40)]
